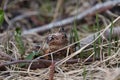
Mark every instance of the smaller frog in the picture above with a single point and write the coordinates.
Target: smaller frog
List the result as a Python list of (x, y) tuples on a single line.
[(56, 41)]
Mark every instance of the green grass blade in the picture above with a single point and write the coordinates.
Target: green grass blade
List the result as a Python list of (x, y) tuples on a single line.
[(110, 39), (1, 16), (19, 41)]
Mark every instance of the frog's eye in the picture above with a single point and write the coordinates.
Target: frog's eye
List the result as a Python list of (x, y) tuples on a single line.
[(49, 38)]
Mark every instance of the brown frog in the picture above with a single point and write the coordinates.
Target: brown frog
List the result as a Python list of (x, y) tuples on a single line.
[(56, 41)]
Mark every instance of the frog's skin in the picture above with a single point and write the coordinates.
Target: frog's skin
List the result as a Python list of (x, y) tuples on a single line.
[(56, 41)]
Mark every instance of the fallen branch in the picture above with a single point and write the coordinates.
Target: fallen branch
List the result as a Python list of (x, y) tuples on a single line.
[(40, 62), (92, 11)]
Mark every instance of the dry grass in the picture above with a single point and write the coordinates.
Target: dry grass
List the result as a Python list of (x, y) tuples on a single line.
[(107, 67), (104, 69)]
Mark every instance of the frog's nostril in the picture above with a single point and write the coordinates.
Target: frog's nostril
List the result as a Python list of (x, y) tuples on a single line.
[(65, 36)]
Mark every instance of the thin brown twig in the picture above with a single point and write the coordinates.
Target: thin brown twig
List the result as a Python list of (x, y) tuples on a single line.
[(111, 14), (52, 70), (92, 11), (41, 61)]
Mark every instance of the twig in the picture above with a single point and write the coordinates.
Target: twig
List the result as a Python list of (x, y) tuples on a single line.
[(92, 11), (111, 14), (41, 61), (52, 70)]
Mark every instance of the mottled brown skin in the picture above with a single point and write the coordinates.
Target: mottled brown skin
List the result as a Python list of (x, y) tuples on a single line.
[(56, 41)]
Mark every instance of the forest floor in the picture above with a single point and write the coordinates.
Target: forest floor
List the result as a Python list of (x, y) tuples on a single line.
[(59, 39)]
